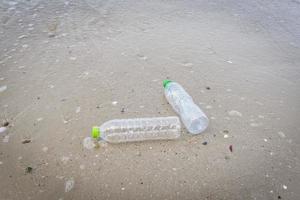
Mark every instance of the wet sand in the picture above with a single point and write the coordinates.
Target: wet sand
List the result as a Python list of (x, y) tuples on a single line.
[(68, 65)]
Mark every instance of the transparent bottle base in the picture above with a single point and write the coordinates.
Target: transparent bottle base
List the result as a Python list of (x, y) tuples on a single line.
[(198, 125)]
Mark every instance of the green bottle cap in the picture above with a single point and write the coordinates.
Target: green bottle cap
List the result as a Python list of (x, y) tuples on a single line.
[(96, 132), (166, 82)]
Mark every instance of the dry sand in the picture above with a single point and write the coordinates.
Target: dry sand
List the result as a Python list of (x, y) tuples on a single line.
[(68, 65)]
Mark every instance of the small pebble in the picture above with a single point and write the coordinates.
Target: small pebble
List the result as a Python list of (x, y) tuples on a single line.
[(230, 148), (284, 187), (82, 167), (187, 64), (204, 143), (26, 141), (51, 35), (22, 36), (235, 113), (265, 140), (72, 58), (281, 134), (254, 124), (208, 107), (78, 109), (114, 103), (3, 88), (28, 170), (39, 119), (226, 136), (123, 188), (69, 185), (65, 159), (45, 149)]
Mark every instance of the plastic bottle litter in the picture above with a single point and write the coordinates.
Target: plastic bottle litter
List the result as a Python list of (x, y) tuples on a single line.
[(139, 129), (191, 115)]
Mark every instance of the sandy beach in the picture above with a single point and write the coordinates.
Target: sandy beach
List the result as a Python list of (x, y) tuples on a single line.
[(67, 65)]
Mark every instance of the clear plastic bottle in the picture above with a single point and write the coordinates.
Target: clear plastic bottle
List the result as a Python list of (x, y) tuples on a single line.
[(191, 115), (139, 129)]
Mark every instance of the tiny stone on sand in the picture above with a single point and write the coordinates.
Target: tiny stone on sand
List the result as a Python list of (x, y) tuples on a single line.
[(3, 88), (235, 113), (69, 185), (78, 109), (65, 159), (45, 149), (254, 124), (39, 119), (284, 187), (208, 107), (22, 36), (281, 134), (82, 167)]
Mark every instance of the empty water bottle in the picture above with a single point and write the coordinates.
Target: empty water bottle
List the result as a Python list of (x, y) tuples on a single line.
[(191, 115), (139, 129)]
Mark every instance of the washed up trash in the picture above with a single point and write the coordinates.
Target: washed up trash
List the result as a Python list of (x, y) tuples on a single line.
[(138, 129), (3, 129), (191, 115)]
